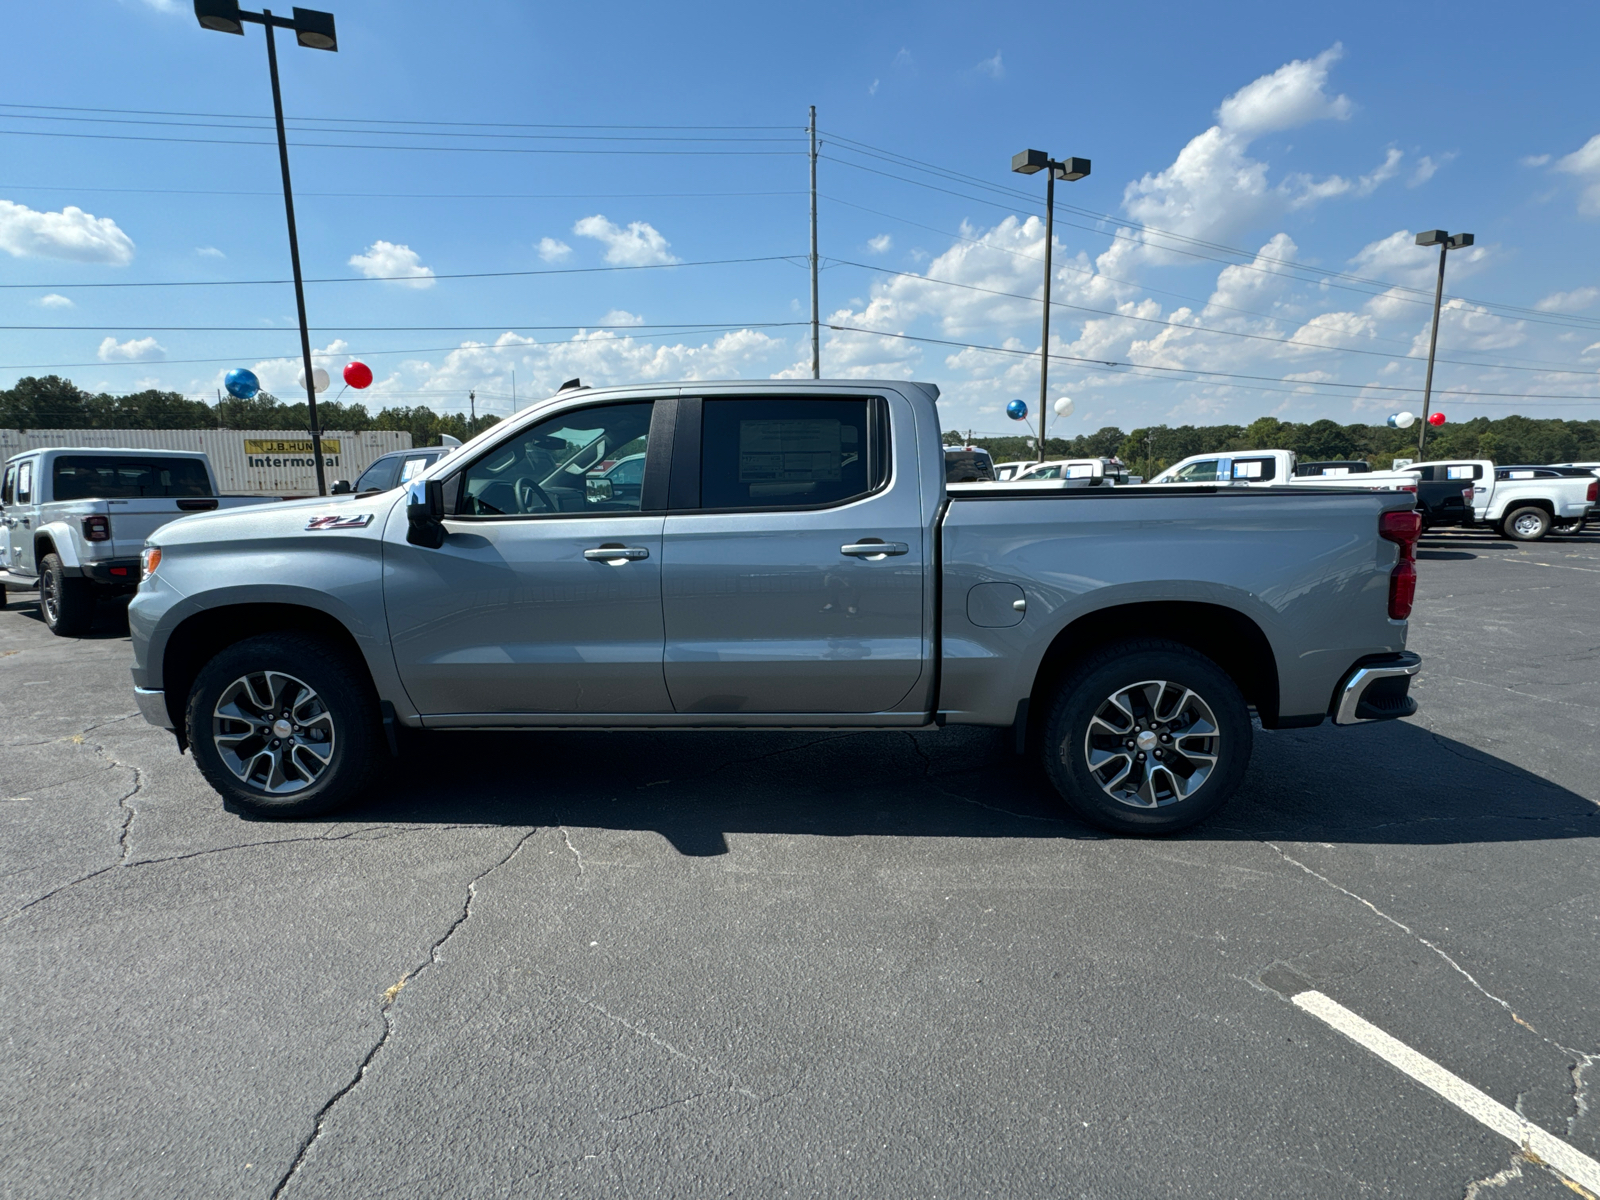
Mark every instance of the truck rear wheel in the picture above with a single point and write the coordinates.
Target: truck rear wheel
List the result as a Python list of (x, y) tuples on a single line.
[(66, 602), (1527, 524), (284, 725), (1147, 736)]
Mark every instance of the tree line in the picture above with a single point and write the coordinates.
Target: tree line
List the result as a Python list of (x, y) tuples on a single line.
[(52, 402), (1154, 448)]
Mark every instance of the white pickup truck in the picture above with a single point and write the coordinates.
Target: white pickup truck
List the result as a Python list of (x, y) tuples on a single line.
[(1269, 468), (1521, 503), (75, 521)]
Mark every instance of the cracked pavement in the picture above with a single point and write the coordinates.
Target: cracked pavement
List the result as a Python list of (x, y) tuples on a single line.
[(697, 964)]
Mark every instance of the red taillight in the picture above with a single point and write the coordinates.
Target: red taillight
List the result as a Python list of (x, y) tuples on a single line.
[(1593, 494), (97, 528), (1466, 496), (1403, 529)]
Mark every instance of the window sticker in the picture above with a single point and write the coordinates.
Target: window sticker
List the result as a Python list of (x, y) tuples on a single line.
[(1082, 471), (1459, 473), (413, 468), (1336, 470), (1522, 475), (798, 451), (1247, 469)]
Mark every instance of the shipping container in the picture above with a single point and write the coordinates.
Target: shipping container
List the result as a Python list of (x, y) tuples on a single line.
[(248, 462)]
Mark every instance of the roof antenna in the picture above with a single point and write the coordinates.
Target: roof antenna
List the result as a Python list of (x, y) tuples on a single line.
[(570, 385)]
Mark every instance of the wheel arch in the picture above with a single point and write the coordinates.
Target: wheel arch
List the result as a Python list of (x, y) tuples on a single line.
[(1225, 635), (200, 637)]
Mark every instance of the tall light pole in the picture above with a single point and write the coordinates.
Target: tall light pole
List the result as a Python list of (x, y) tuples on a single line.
[(1027, 163), (313, 30), (1446, 243), (816, 342)]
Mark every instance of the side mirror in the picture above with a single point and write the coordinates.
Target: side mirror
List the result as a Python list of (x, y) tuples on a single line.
[(341, 487), (425, 513), (598, 491)]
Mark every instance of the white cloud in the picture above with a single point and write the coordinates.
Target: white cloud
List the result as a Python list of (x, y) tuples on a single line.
[(903, 59), (554, 250), (143, 349), (1584, 162), (209, 252), (873, 89), (621, 316), (880, 244), (1534, 160), (1399, 258), (1214, 188), (71, 234), (53, 301), (1573, 301), (639, 245), (992, 67), (1427, 167), (400, 264)]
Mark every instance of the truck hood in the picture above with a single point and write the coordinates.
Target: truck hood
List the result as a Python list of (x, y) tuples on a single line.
[(289, 519)]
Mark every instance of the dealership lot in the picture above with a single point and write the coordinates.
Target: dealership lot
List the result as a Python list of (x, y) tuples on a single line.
[(813, 964)]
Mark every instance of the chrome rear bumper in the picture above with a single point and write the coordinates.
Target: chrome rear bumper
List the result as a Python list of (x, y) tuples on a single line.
[(1376, 690)]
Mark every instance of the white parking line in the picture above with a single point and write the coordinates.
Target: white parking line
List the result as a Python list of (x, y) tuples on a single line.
[(1574, 1164)]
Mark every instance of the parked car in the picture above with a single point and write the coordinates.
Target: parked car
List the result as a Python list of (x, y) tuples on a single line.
[(1521, 503), (794, 559), (1594, 469), (76, 520), (968, 464), (1093, 472), (1270, 468), (395, 468)]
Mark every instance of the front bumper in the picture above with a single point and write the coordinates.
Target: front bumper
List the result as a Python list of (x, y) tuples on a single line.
[(153, 706), (1376, 689)]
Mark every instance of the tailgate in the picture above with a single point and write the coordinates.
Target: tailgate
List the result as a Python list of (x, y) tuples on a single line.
[(132, 521)]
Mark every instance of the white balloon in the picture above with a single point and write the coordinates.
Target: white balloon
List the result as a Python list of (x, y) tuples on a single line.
[(1405, 420), (1063, 406), (318, 377)]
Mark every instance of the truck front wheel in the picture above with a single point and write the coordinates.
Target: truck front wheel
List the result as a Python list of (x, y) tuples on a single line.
[(67, 602), (284, 725), (1147, 736), (1527, 524)]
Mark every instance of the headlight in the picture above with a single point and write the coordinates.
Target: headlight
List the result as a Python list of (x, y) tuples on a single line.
[(149, 560)]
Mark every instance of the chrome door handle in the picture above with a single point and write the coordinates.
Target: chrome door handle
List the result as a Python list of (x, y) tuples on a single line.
[(874, 549), (616, 553)]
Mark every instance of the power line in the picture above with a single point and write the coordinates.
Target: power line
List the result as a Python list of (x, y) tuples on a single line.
[(508, 326), (531, 345), (1260, 337), (1317, 274), (147, 112), (131, 137), (67, 187), (709, 262), (1113, 364)]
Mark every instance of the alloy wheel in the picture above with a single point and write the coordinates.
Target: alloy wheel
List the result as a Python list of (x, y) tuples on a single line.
[(1151, 744), (273, 731)]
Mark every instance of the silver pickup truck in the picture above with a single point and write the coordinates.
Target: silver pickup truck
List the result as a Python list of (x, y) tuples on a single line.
[(788, 556), (76, 520)]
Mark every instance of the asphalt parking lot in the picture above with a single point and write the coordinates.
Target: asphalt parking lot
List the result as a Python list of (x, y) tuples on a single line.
[(823, 964)]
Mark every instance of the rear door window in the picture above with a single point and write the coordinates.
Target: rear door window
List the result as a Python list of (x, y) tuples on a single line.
[(1256, 470), (25, 483), (1464, 471), (82, 477), (781, 453)]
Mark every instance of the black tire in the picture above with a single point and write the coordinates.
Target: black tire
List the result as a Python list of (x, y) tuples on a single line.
[(1526, 524), (288, 775), (66, 602), (1072, 733)]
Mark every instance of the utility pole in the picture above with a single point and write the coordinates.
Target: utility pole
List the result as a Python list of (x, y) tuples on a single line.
[(816, 342), (513, 389), (472, 410), (1446, 243)]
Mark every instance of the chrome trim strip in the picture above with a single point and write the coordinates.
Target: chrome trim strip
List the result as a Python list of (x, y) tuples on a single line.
[(153, 706), (1360, 680)]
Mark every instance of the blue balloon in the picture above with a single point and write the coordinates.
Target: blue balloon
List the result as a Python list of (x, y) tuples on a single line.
[(1017, 410), (241, 384)]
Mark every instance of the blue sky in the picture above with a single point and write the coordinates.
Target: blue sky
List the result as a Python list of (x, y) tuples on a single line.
[(1259, 171)]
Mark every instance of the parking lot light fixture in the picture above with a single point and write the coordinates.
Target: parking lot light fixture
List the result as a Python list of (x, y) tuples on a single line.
[(1446, 243), (1031, 162), (314, 30)]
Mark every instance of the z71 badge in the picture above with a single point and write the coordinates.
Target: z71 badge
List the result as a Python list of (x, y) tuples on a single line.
[(359, 522)]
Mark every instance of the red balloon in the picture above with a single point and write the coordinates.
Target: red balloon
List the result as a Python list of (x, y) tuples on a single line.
[(1435, 418), (358, 375)]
